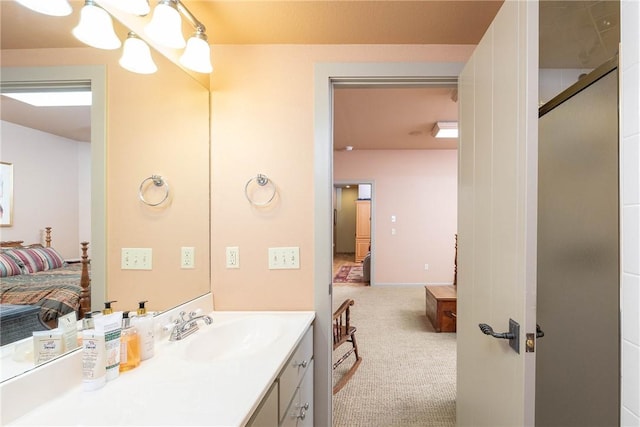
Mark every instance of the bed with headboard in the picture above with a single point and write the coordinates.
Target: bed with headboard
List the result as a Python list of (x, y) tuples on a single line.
[(37, 275)]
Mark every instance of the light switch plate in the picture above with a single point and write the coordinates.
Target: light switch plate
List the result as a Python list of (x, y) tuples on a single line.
[(136, 259), (286, 258)]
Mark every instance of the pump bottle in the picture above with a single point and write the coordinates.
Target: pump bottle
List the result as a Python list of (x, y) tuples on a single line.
[(129, 345), (143, 321)]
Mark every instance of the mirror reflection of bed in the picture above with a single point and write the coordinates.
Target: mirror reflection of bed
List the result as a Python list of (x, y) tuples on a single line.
[(38, 286)]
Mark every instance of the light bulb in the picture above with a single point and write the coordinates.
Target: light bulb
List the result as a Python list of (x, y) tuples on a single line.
[(96, 28), (48, 7), (197, 54), (134, 7), (165, 27), (136, 56)]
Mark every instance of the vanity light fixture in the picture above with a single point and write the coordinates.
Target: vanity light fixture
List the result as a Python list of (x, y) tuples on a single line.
[(165, 27), (96, 27), (136, 56), (197, 54), (445, 130), (48, 7)]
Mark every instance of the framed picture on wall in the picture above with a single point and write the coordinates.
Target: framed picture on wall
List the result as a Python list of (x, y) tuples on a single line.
[(6, 194)]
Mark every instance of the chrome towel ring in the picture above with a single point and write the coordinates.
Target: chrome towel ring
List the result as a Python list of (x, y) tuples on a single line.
[(158, 181), (262, 182)]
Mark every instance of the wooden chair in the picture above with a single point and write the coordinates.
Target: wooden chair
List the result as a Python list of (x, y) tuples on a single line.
[(344, 332)]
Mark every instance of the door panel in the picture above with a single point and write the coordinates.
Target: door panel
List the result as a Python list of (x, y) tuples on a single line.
[(497, 220), (577, 373)]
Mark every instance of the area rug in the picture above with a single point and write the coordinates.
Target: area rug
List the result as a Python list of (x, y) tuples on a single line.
[(349, 274)]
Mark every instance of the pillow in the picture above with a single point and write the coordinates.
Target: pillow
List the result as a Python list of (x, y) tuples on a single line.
[(8, 266), (37, 259)]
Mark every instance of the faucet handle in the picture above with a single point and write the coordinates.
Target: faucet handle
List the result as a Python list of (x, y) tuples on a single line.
[(195, 313)]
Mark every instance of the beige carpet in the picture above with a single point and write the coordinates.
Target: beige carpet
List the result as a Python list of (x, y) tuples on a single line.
[(408, 374)]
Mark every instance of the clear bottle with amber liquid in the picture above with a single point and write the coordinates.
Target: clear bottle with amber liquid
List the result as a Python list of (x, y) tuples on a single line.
[(129, 345)]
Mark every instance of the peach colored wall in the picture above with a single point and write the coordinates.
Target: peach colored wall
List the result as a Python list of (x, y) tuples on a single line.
[(418, 187), (262, 122), (156, 124)]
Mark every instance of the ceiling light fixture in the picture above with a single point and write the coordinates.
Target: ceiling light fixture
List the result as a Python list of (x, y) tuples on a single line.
[(445, 130), (48, 7), (96, 27), (165, 27), (136, 56)]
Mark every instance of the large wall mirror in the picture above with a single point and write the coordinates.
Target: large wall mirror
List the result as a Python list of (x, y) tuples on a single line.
[(140, 125)]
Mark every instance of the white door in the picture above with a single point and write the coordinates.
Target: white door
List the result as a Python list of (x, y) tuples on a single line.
[(497, 207)]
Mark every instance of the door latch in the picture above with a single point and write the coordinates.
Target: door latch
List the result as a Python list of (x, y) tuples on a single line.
[(530, 343), (513, 335)]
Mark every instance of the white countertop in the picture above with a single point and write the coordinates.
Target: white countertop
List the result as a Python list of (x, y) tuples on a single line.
[(170, 390)]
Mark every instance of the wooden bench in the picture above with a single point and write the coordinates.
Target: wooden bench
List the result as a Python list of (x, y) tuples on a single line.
[(441, 307)]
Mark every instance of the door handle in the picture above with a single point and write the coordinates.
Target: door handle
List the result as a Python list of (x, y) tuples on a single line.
[(513, 335), (539, 332), (488, 330)]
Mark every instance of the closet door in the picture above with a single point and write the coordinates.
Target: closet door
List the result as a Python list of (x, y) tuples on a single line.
[(363, 228)]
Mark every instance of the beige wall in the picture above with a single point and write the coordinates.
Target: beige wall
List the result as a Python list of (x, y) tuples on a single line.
[(262, 122), (46, 172), (152, 128), (419, 188)]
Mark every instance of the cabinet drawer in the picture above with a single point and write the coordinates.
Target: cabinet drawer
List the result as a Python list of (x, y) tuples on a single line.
[(300, 411), (294, 370)]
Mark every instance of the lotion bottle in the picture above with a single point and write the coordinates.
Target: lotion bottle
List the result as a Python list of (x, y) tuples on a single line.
[(143, 322), (129, 345)]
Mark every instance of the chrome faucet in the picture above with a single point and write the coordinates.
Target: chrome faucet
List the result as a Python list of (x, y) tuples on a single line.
[(185, 326)]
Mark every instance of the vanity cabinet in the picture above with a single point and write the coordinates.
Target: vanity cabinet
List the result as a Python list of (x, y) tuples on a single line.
[(289, 401)]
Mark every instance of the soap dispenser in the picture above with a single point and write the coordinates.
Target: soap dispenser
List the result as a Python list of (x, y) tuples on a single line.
[(129, 345), (107, 307), (143, 321)]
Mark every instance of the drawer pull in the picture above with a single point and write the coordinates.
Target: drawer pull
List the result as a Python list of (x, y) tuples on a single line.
[(303, 411), (302, 364)]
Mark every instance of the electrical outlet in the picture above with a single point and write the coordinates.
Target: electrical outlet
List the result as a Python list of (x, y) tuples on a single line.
[(187, 259), (287, 258), (426, 267), (136, 259), (233, 257)]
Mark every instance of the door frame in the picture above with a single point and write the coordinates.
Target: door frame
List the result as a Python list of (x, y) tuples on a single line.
[(326, 77)]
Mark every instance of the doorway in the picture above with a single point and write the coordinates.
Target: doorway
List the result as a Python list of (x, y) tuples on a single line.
[(325, 80)]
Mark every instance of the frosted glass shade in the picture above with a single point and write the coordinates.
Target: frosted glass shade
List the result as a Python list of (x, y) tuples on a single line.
[(165, 27), (197, 55), (96, 28), (48, 7), (136, 56), (134, 7)]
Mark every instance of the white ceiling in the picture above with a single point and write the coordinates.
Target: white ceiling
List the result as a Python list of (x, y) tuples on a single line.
[(573, 34)]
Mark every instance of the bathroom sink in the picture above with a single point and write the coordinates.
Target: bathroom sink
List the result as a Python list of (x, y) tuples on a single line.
[(234, 338)]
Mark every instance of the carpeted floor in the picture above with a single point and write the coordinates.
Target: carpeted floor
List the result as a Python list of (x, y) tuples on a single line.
[(407, 377)]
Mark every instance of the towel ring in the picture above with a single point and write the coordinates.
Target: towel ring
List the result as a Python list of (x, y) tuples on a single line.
[(261, 181), (158, 181)]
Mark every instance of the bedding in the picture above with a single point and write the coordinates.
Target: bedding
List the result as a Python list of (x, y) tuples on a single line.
[(37, 275), (56, 291)]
